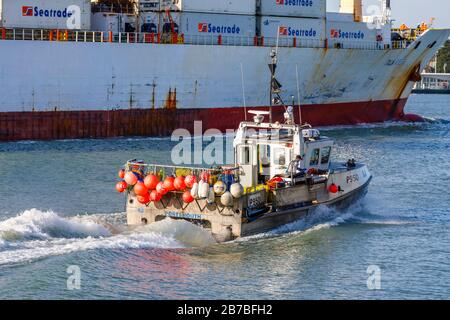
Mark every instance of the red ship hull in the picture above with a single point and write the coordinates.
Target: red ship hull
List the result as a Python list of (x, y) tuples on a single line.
[(162, 122)]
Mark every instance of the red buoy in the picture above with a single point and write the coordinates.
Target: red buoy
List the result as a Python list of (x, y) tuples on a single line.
[(151, 181), (190, 180), (121, 186), (179, 184), (144, 199), (168, 183), (140, 189), (205, 176), (161, 189), (121, 174), (130, 178), (333, 188), (187, 197), (155, 196)]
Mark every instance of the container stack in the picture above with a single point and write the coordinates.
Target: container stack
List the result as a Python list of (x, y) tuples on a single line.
[(45, 14), (288, 19), (210, 18), (114, 16), (149, 15)]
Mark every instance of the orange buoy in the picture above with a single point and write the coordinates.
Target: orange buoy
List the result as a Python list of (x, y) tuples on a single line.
[(333, 188), (190, 180), (161, 189), (121, 174), (121, 186), (140, 189), (144, 199), (179, 184), (151, 181), (155, 196), (168, 183), (130, 178), (187, 197)]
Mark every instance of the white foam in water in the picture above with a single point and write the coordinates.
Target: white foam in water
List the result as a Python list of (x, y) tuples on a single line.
[(35, 234), (183, 231), (36, 224)]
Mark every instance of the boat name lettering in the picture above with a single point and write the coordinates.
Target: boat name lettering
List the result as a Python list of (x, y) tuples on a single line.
[(179, 215), (352, 178)]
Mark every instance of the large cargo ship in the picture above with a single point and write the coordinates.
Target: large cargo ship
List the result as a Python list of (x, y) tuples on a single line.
[(145, 68)]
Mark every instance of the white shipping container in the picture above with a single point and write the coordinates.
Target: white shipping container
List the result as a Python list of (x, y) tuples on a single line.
[(115, 22), (351, 31), (293, 8), (149, 22), (46, 14), (245, 7), (302, 28), (204, 24)]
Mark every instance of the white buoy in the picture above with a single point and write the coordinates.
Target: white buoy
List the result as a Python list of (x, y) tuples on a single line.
[(211, 196), (194, 191), (220, 187), (237, 190), (227, 199), (203, 190)]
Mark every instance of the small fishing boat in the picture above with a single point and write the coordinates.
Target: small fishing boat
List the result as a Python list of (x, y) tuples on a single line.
[(281, 173)]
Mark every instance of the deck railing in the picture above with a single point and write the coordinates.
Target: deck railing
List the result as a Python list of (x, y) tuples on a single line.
[(136, 37)]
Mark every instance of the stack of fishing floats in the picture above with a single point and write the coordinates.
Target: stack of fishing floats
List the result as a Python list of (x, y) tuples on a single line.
[(152, 187)]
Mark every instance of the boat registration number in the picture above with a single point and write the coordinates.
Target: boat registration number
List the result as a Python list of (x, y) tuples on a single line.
[(179, 215), (256, 200)]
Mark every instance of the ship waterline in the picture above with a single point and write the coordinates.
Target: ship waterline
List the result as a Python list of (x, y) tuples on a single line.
[(54, 125)]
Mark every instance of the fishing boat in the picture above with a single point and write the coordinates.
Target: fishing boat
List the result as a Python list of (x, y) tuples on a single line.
[(281, 173)]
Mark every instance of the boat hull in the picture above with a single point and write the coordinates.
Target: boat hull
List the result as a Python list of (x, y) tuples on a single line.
[(272, 221)]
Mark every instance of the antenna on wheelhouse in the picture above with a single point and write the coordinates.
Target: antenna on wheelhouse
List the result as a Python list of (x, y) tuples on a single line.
[(275, 85)]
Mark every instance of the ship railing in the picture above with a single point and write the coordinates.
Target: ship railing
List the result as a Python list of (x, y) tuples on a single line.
[(232, 40), (367, 45)]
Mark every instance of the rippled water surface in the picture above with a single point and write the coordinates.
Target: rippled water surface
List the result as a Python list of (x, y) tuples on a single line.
[(58, 208)]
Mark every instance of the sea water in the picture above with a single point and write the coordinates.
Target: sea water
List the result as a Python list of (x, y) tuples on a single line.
[(59, 209)]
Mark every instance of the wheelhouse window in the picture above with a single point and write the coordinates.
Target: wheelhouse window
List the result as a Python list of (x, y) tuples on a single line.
[(325, 155), (279, 157), (244, 155), (314, 157)]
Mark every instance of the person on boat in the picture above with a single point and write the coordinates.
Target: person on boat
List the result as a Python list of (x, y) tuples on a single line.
[(296, 167)]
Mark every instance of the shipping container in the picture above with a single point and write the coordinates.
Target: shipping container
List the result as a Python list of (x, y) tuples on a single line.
[(149, 22), (351, 31), (115, 22), (292, 8), (210, 24), (245, 7), (285, 27), (46, 14)]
